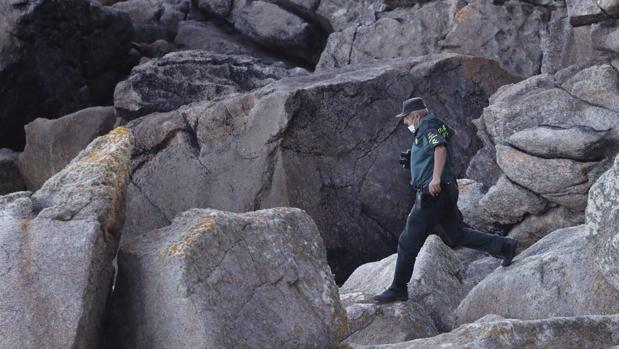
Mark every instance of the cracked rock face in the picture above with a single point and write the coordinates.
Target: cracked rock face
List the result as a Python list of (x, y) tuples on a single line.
[(184, 77), (57, 246), (57, 56), (326, 143), (224, 280), (569, 272)]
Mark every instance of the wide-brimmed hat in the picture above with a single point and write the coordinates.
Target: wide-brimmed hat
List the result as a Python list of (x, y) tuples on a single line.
[(412, 104)]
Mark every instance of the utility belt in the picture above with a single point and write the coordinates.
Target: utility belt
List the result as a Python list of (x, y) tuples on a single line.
[(423, 197)]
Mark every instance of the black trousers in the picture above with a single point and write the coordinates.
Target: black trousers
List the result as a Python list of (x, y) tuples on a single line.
[(443, 210)]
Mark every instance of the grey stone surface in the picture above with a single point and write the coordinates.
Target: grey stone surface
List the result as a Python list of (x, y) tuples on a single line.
[(226, 280), (479, 28), (343, 13), (605, 36), (57, 249), (52, 144), (56, 57), (436, 288), (371, 323), (591, 331), (11, 179), (609, 7), (570, 272), (584, 12), (507, 203), (327, 143), (184, 77), (154, 19), (534, 227)]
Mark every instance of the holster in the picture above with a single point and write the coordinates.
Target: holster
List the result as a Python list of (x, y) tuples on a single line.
[(423, 199)]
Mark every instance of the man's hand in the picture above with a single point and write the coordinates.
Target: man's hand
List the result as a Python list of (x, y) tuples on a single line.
[(435, 186)]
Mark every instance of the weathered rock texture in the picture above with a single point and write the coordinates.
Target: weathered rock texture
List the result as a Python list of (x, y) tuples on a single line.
[(327, 143), (552, 333), (56, 57), (57, 247), (52, 144), (184, 77), (10, 178), (570, 272), (508, 32), (223, 280), (546, 140)]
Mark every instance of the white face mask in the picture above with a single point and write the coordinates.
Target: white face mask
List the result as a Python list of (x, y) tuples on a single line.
[(412, 128)]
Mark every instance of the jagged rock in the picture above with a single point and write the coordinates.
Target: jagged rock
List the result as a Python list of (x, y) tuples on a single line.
[(184, 77), (220, 8), (534, 227), (564, 45), (476, 271), (371, 323), (225, 280), (609, 7), (470, 193), (343, 13), (507, 203), (57, 249), (583, 12), (563, 181), (479, 28), (57, 56), (436, 284), (592, 331), (11, 179), (569, 272), (52, 144), (327, 143), (597, 85)]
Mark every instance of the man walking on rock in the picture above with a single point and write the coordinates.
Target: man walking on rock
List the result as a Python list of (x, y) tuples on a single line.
[(433, 177)]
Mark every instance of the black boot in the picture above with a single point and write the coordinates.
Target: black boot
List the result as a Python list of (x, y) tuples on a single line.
[(403, 271), (508, 251)]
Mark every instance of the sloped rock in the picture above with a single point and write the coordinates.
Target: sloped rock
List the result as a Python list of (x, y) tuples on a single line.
[(343, 13), (219, 279), (57, 56), (57, 249), (371, 323), (327, 143), (567, 273), (154, 19), (534, 227), (11, 179), (52, 144), (184, 77), (605, 36), (591, 331)]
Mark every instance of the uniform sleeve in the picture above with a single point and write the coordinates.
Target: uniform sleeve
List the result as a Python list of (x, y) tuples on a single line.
[(435, 137)]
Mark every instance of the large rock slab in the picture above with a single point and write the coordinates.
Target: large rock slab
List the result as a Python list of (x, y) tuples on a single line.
[(58, 56), (52, 144), (479, 28), (327, 143), (11, 179), (184, 77), (57, 249), (225, 280), (569, 272), (592, 331)]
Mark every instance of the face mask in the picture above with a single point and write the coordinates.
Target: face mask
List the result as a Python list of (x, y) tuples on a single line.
[(412, 128)]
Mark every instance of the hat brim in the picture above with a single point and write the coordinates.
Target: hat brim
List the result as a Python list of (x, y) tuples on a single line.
[(401, 115)]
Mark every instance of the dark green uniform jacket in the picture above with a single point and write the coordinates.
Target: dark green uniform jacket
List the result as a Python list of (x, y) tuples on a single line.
[(431, 132)]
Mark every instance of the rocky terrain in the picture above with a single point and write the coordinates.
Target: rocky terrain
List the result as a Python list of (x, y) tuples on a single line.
[(224, 173)]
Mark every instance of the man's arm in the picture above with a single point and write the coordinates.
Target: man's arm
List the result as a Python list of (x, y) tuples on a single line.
[(440, 157)]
